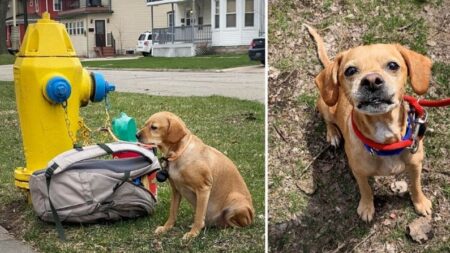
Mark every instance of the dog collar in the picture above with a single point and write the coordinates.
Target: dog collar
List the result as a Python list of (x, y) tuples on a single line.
[(175, 156), (415, 130)]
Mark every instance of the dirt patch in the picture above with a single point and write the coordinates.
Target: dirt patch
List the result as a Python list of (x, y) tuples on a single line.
[(312, 194), (12, 217)]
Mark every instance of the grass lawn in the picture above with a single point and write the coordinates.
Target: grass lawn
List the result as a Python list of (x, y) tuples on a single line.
[(6, 59), (313, 195), (197, 62), (235, 127)]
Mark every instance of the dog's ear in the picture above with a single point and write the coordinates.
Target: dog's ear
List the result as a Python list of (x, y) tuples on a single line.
[(328, 82), (176, 129), (419, 69)]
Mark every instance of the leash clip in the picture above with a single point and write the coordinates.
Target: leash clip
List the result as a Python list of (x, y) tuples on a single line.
[(419, 131)]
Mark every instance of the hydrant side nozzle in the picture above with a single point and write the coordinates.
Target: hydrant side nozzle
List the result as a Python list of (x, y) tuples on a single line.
[(101, 87), (57, 90)]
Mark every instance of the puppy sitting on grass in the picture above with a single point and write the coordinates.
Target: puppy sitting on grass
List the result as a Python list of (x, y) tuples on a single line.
[(204, 176)]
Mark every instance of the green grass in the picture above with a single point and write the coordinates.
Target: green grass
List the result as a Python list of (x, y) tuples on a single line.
[(441, 72), (197, 62), (6, 59), (235, 127), (393, 28), (308, 99)]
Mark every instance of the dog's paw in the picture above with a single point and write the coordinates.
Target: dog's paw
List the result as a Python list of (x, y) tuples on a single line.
[(161, 230), (366, 211), (333, 135), (423, 206), (189, 235)]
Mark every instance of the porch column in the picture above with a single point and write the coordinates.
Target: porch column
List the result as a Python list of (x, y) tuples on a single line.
[(14, 35), (193, 20), (14, 12), (153, 35), (173, 25)]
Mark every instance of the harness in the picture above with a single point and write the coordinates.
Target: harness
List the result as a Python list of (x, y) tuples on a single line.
[(415, 129)]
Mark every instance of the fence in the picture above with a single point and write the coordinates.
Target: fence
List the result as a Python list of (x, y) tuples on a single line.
[(182, 34)]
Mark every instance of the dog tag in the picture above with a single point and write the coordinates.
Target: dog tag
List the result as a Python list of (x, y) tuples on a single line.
[(162, 175)]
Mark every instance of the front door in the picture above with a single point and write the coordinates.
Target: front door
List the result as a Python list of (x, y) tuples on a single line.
[(100, 34)]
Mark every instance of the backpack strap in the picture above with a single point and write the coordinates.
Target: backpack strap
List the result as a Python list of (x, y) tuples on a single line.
[(105, 147), (58, 224), (66, 159)]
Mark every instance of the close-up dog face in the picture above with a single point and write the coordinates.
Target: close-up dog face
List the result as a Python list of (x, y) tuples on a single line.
[(373, 77), (162, 127)]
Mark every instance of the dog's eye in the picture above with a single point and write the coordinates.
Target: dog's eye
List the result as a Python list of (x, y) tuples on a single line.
[(393, 66), (350, 71), (153, 127)]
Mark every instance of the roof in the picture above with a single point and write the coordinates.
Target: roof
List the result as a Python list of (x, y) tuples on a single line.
[(160, 2), (31, 16)]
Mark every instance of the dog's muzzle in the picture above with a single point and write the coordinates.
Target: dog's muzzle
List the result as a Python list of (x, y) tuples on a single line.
[(373, 96)]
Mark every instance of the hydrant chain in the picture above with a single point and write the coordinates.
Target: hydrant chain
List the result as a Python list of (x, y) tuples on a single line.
[(67, 120)]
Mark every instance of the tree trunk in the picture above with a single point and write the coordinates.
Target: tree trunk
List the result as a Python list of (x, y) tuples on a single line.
[(3, 10)]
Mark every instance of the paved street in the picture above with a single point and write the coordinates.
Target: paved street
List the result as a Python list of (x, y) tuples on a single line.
[(244, 82)]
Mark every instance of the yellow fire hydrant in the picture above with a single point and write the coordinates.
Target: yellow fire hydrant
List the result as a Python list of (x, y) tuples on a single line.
[(51, 86)]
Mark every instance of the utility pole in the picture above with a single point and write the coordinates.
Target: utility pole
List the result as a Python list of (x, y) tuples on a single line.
[(25, 14)]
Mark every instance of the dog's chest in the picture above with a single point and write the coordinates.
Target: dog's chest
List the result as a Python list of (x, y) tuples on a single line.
[(389, 165), (180, 183), (383, 132)]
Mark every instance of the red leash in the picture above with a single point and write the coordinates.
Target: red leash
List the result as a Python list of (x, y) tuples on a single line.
[(419, 119), (418, 103)]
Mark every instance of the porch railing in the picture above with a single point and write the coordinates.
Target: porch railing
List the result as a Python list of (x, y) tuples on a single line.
[(182, 34), (69, 5)]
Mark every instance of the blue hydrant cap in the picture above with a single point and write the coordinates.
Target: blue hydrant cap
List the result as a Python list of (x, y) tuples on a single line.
[(58, 89), (101, 87)]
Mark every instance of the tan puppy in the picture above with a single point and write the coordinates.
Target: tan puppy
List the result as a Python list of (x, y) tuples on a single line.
[(370, 82), (204, 176)]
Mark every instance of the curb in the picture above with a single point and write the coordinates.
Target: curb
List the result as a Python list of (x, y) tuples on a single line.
[(180, 70), (156, 70), (9, 244)]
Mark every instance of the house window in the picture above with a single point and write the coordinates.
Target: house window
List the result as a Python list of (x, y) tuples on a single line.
[(81, 24), (36, 5), (217, 14), (200, 23), (249, 13), (188, 17), (57, 4), (170, 19), (231, 13)]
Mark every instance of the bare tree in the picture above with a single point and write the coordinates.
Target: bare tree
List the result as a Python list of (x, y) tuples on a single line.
[(3, 10)]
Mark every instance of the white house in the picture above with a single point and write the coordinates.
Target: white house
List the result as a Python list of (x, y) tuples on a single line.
[(107, 27), (195, 25)]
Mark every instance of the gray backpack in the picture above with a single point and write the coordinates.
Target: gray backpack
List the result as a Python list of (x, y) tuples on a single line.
[(77, 188)]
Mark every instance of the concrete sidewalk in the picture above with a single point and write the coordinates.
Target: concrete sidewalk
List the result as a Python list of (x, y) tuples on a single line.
[(10, 245), (243, 82)]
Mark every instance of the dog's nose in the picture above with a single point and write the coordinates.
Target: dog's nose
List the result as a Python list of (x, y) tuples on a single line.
[(138, 135), (372, 81)]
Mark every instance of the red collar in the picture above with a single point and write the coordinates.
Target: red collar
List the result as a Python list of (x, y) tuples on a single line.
[(419, 118)]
